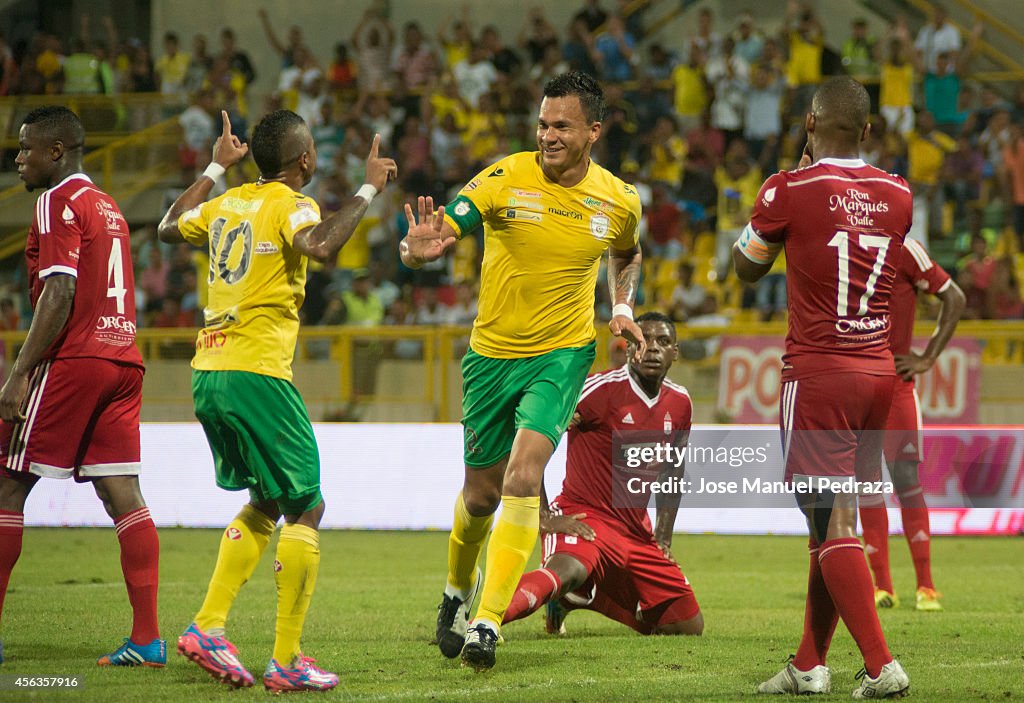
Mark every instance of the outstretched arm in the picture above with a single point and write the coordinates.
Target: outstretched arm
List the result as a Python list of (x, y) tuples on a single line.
[(623, 282), (227, 151), (268, 29), (323, 241), (953, 302)]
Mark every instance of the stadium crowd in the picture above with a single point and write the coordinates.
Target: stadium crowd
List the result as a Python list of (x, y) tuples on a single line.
[(696, 127)]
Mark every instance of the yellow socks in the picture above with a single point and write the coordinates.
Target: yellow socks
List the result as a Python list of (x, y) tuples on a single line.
[(241, 547), (512, 543), (298, 561), (464, 545)]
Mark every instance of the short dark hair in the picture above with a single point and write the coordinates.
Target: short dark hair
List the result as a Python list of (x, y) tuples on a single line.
[(59, 124), (171, 36), (583, 86), (655, 316), (270, 138), (843, 103)]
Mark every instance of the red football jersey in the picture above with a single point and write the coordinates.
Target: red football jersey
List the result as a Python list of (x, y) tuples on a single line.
[(614, 402), (843, 223), (915, 271), (78, 230)]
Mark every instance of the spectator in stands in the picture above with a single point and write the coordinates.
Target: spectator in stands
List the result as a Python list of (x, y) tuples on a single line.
[(463, 312), (142, 77), (707, 39), (937, 37), (806, 38), (505, 60), (236, 58), (660, 63), (383, 287), (614, 51), (8, 67), (301, 71), (668, 152), (172, 67), (617, 354), (362, 307), (942, 85), (926, 153), (373, 39), (664, 224), (457, 47), (537, 36), (550, 65), (10, 320), (430, 310), (1004, 298), (963, 170), (690, 97), (415, 62), (228, 87), (991, 102), (980, 265), (592, 15), (749, 41), (476, 75), (706, 145), (762, 122), (48, 62), (199, 65), (738, 182), (770, 291), (896, 81), (1017, 109), (859, 52), (729, 76), (84, 73), (341, 74), (171, 314), (199, 129), (319, 280), (287, 51), (688, 296), (1013, 176), (994, 138), (579, 46)]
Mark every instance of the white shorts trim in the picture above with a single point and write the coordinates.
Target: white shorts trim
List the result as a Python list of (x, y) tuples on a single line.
[(47, 471), (129, 468)]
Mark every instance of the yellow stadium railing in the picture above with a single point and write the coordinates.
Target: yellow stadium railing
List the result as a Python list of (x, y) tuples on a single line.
[(347, 365)]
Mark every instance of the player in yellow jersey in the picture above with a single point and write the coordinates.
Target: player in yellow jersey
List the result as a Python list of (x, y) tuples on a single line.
[(548, 216), (260, 236)]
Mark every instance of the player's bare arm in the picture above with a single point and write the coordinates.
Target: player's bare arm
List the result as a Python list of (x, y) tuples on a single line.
[(953, 302), (666, 508), (228, 150), (623, 281), (324, 240), (429, 236), (49, 318)]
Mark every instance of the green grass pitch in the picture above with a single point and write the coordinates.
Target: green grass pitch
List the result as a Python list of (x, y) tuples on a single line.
[(374, 609)]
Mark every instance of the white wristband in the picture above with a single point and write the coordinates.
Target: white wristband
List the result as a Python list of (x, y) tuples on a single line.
[(367, 192), (214, 171), (622, 309)]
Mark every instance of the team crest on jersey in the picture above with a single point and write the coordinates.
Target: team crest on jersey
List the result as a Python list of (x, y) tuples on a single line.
[(234, 534), (68, 215), (472, 185), (668, 423), (768, 197), (462, 209), (599, 225)]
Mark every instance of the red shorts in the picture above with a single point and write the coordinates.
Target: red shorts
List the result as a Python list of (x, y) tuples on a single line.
[(903, 428), (82, 420), (631, 572), (832, 424)]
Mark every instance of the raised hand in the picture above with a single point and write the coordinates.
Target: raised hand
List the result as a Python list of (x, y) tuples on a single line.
[(228, 150), (379, 170), (424, 242)]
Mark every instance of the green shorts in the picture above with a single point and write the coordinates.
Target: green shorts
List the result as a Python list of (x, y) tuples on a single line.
[(500, 396), (260, 436)]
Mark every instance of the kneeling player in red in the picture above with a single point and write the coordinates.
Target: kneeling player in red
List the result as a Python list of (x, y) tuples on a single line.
[(915, 272), (598, 554), (842, 224), (70, 404)]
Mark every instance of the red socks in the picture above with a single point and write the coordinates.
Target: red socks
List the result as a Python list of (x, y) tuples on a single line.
[(875, 524), (140, 561), (534, 590), (918, 533), (820, 618), (12, 527), (845, 573)]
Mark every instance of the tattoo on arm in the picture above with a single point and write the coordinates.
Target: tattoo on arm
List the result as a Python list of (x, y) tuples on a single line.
[(325, 240), (624, 274), (196, 195)]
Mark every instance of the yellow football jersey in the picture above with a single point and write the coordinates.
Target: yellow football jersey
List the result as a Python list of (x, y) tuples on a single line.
[(256, 279), (543, 245)]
